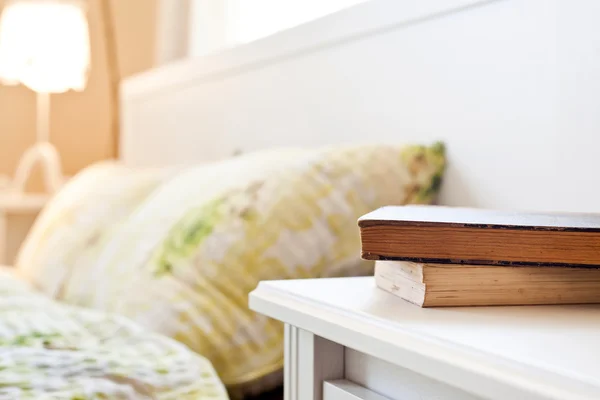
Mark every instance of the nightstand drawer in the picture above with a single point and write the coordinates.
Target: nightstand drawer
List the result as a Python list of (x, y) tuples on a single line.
[(395, 382), (346, 390)]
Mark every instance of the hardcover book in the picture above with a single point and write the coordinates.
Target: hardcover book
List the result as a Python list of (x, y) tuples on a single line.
[(436, 234)]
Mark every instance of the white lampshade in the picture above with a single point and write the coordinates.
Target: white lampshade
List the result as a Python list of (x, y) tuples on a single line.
[(45, 45)]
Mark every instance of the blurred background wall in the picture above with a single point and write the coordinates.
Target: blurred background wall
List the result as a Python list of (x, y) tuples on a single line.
[(80, 122)]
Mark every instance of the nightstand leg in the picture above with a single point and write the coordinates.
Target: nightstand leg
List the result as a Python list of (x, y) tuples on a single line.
[(309, 361)]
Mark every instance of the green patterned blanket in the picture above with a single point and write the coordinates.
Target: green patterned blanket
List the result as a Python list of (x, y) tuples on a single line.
[(53, 351)]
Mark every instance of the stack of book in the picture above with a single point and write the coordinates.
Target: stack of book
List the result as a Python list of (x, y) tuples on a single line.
[(437, 256)]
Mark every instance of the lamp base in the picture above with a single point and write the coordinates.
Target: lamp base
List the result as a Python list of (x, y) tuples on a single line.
[(47, 156)]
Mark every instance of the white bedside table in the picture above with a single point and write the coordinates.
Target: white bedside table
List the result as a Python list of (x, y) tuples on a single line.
[(17, 214), (348, 340)]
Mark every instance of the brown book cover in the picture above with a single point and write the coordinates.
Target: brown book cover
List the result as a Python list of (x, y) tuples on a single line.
[(477, 236), (451, 285)]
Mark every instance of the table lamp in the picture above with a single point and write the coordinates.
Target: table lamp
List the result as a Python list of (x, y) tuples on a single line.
[(44, 45)]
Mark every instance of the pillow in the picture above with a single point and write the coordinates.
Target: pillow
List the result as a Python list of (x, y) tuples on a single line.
[(74, 225), (128, 248), (184, 261)]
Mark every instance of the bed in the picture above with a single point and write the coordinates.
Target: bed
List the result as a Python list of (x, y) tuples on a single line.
[(511, 86), (317, 124), (56, 351)]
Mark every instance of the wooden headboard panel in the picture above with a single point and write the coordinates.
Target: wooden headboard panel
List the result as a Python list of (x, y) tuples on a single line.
[(511, 86)]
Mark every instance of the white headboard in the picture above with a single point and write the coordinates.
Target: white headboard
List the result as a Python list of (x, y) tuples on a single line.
[(511, 86)]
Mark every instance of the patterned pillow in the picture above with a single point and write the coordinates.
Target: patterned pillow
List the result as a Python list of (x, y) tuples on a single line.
[(185, 260)]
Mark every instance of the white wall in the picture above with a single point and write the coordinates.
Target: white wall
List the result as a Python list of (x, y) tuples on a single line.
[(195, 28), (512, 86), (256, 19), (172, 30)]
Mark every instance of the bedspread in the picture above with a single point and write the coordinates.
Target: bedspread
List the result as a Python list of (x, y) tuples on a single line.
[(53, 351)]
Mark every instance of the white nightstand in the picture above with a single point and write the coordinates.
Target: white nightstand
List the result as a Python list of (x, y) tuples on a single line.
[(17, 214), (348, 340)]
